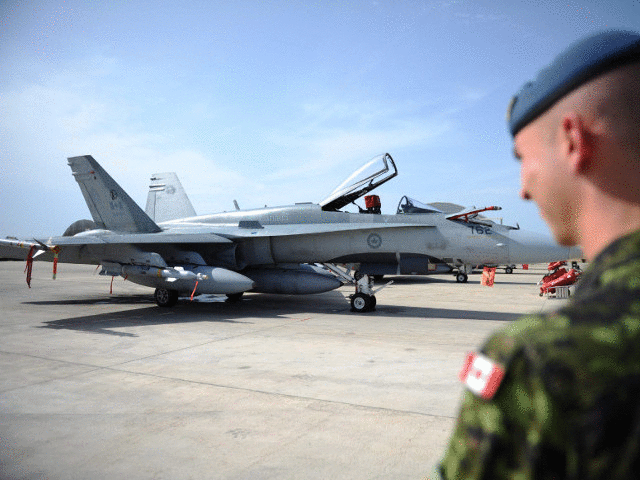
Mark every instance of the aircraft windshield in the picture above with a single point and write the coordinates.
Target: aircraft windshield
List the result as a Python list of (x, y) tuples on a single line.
[(409, 205), (372, 174)]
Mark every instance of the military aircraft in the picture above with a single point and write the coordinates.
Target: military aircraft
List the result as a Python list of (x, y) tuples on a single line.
[(295, 249)]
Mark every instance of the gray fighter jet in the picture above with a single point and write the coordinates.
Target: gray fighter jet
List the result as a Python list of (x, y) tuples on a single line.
[(296, 249)]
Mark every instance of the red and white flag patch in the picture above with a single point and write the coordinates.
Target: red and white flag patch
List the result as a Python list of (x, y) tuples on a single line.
[(481, 375)]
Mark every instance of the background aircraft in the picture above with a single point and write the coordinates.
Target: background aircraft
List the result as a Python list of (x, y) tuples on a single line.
[(274, 250)]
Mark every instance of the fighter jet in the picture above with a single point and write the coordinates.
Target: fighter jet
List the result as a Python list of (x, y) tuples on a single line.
[(295, 249)]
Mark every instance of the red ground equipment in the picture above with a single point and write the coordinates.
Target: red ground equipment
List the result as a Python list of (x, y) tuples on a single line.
[(550, 277), (559, 278), (555, 265)]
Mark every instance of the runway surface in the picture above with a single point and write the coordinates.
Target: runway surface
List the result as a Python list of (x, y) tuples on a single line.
[(100, 386)]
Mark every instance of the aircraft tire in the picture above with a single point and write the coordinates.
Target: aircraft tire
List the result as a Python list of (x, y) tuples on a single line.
[(361, 303), (508, 270), (234, 297), (462, 278), (166, 297)]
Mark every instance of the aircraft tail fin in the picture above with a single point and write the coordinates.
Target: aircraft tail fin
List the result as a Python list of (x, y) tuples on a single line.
[(167, 199), (110, 206)]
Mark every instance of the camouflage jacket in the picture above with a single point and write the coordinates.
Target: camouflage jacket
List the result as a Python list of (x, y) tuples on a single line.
[(568, 405)]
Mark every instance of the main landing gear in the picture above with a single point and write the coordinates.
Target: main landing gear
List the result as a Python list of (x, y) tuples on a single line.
[(234, 297), (165, 297), (168, 298)]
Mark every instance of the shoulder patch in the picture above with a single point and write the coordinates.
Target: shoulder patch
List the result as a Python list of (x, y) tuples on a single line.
[(481, 375)]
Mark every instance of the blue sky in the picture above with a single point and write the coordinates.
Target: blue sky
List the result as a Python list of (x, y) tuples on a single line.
[(272, 102)]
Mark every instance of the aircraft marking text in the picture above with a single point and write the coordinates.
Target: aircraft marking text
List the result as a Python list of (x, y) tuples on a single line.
[(479, 230)]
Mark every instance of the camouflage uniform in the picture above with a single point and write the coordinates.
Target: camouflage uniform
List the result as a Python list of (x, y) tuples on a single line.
[(569, 403)]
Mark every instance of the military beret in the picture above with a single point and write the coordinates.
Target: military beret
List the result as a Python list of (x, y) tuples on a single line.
[(581, 62)]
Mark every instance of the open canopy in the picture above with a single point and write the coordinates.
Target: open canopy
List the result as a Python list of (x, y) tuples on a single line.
[(371, 175)]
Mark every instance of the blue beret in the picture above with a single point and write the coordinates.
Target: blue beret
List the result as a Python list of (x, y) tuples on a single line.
[(580, 63)]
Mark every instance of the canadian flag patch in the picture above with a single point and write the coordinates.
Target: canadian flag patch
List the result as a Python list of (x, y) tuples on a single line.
[(481, 375)]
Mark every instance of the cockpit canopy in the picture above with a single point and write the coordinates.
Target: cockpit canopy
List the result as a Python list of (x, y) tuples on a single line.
[(410, 205), (371, 175)]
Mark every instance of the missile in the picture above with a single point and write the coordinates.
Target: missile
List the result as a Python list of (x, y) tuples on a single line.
[(170, 274), (213, 280)]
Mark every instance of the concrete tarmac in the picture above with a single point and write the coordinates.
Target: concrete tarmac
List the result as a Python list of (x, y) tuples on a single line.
[(101, 386)]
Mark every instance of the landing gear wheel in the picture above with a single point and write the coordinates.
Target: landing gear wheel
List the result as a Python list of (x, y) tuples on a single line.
[(165, 297), (234, 297), (462, 278), (362, 303), (508, 270)]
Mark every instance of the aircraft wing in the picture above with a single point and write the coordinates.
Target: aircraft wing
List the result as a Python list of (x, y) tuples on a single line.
[(133, 238), (108, 243), (14, 249)]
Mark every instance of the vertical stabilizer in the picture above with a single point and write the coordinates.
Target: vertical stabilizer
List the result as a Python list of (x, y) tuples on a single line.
[(167, 200), (110, 206)]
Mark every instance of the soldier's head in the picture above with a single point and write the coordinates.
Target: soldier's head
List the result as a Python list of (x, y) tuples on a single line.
[(576, 131)]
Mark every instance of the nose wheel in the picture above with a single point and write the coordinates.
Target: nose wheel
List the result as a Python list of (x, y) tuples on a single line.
[(361, 302), (462, 278), (364, 299)]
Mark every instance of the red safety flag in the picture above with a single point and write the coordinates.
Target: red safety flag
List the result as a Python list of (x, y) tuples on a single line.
[(488, 276), (525, 266), (29, 267), (481, 375), (56, 251)]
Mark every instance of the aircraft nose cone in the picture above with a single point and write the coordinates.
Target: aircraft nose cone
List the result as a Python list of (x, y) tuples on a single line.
[(531, 247)]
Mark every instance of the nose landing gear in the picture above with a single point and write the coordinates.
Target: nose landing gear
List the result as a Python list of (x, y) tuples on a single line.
[(364, 299), (361, 302)]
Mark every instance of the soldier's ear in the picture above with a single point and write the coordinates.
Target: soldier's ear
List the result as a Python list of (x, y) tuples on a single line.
[(576, 143)]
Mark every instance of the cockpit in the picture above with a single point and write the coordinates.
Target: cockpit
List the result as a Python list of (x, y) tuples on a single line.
[(379, 170), (409, 205)]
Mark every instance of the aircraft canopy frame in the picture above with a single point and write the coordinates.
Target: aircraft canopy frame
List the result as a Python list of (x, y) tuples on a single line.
[(369, 176), (408, 205)]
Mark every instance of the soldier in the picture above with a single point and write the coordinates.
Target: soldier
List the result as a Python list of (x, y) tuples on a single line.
[(558, 395)]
